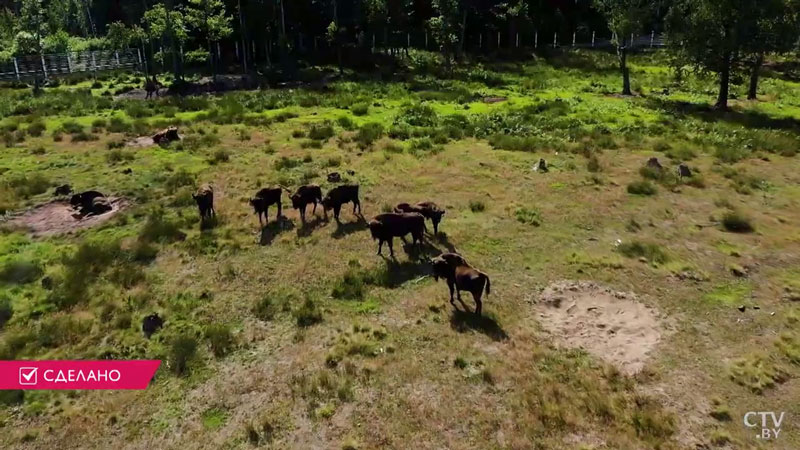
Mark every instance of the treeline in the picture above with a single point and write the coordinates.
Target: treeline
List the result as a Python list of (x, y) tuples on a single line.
[(727, 37)]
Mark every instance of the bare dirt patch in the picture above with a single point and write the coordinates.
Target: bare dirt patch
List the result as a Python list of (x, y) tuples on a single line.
[(609, 324), (58, 217)]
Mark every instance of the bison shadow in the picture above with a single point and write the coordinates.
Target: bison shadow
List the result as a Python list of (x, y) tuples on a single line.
[(463, 321), (307, 228), (273, 229), (421, 252), (443, 239), (398, 273), (344, 229), (209, 223)]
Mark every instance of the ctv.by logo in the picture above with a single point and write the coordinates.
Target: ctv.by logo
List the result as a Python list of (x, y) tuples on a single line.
[(767, 433)]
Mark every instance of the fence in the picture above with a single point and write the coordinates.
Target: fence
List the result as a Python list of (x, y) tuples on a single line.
[(46, 66)]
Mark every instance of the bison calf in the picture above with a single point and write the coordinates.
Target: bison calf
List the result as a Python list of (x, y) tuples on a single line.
[(204, 197), (340, 195), (428, 209), (385, 227), (304, 195), (460, 276), (263, 200)]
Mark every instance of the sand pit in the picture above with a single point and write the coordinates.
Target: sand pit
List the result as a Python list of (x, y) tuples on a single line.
[(58, 217), (611, 325)]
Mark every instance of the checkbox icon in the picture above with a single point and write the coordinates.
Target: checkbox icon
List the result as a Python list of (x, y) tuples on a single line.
[(28, 376)]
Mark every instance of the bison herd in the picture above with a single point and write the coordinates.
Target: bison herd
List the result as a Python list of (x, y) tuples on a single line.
[(404, 220)]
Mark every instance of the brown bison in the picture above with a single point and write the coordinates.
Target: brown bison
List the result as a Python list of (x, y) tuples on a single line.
[(151, 86), (204, 197), (428, 209), (460, 276), (385, 227), (264, 199), (340, 195), (310, 193), (90, 202)]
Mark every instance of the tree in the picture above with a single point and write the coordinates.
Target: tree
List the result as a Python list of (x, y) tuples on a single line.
[(775, 31), (624, 18), (209, 17), (161, 22), (445, 27), (713, 36)]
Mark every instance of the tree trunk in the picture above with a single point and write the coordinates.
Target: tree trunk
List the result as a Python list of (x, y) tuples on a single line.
[(336, 39), (462, 44), (622, 53), (244, 38), (176, 67), (724, 82), (752, 91)]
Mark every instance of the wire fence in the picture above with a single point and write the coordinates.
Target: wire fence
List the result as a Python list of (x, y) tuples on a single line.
[(46, 66)]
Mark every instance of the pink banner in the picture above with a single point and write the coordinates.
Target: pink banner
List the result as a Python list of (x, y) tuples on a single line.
[(134, 374)]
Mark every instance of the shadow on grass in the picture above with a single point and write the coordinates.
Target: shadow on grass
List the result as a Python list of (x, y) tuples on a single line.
[(210, 223), (307, 228), (463, 321), (398, 273), (344, 229), (273, 229), (703, 111)]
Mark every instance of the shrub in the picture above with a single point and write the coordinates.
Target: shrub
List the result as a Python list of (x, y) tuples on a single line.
[(369, 133), (643, 187), (286, 163), (308, 314), (177, 180), (593, 164), (321, 131), (158, 228), (393, 147), (71, 127), (736, 222), (118, 125), (346, 122), (310, 143), (360, 109), (38, 151), (84, 137), (6, 310), (297, 134), (419, 115), (332, 161), (220, 338), (652, 252), (219, 156), (98, 125), (477, 206), (116, 155), (182, 350), (528, 216), (351, 286), (265, 308), (20, 272), (36, 129), (29, 185)]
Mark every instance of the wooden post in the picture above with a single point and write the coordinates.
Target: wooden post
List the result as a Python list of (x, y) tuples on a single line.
[(573, 37), (373, 42), (116, 56), (408, 39), (69, 63), (219, 53), (426, 39), (236, 45), (652, 37), (555, 39), (480, 40), (315, 44), (631, 40), (94, 61), (498, 39), (16, 68), (517, 40), (592, 38), (536, 39)]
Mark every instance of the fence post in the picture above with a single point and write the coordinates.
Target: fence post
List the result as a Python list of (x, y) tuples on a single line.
[(69, 63), (44, 67), (555, 39), (94, 62), (219, 53), (592, 38), (426, 39), (408, 39), (517, 40), (573, 37), (253, 44), (480, 40), (116, 56), (536, 39), (632, 40), (373, 42), (498, 39), (652, 36), (16, 68), (315, 44), (236, 46)]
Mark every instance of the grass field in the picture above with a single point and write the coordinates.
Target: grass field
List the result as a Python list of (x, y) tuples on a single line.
[(302, 337)]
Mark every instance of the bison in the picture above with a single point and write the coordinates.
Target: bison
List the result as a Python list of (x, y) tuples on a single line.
[(428, 209), (90, 202), (310, 193), (62, 190), (340, 195), (151, 324), (460, 276), (204, 197), (264, 199), (385, 227), (151, 86)]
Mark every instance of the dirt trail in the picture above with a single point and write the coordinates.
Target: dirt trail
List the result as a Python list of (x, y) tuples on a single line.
[(58, 217), (611, 325)]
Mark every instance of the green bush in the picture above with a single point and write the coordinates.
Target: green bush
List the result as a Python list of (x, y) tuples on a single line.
[(27, 186), (84, 137), (528, 216), (219, 156), (308, 314), (220, 338), (643, 187), (360, 109), (117, 155), (369, 133), (736, 222), (284, 162), (6, 310), (159, 228), (36, 129), (71, 127), (419, 115), (20, 272), (177, 180), (652, 252), (118, 125), (321, 131), (182, 351), (593, 164), (477, 206), (346, 123)]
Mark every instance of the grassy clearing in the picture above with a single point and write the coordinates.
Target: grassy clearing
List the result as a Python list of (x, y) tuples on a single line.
[(294, 335)]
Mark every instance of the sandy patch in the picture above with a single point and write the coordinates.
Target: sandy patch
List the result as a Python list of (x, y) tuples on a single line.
[(611, 325), (141, 142), (58, 217)]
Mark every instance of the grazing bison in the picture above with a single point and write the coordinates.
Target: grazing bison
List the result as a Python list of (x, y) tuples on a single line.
[(542, 166), (204, 197), (64, 189), (460, 276), (151, 324), (90, 202), (654, 164), (264, 199), (166, 136), (310, 193), (684, 171), (340, 195), (385, 227), (151, 86), (428, 209), (334, 177)]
